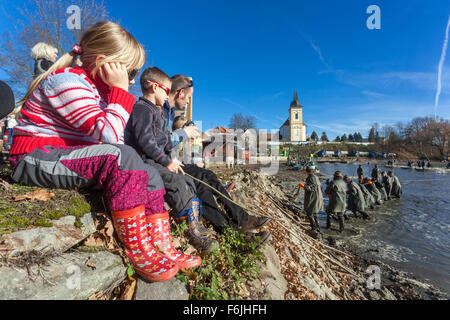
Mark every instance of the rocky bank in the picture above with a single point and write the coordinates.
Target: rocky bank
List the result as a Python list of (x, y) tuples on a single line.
[(83, 260)]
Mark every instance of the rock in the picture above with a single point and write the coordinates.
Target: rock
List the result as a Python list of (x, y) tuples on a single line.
[(275, 285), (373, 295), (72, 279), (172, 289), (62, 236), (314, 287), (388, 295)]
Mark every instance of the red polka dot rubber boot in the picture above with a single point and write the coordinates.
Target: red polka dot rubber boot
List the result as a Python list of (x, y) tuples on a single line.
[(131, 228), (159, 229)]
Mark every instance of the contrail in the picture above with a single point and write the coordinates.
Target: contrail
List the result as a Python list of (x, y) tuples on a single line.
[(441, 64)]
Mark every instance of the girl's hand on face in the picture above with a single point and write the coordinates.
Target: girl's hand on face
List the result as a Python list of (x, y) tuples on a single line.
[(114, 74)]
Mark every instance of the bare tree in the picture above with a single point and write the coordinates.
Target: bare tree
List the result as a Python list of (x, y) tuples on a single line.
[(42, 21), (239, 121)]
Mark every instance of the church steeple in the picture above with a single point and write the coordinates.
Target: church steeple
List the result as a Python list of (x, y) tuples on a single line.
[(296, 103)]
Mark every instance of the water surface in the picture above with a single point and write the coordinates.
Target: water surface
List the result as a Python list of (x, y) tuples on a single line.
[(411, 233)]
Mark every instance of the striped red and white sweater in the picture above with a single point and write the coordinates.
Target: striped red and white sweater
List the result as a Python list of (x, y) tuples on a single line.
[(68, 108)]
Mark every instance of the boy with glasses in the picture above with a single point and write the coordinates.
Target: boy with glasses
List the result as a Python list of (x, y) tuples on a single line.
[(147, 133)]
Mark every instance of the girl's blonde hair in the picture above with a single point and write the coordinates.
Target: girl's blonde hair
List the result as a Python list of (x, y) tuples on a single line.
[(104, 38), (42, 50)]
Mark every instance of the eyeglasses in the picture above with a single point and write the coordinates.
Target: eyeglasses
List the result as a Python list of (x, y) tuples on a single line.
[(132, 75), (166, 89), (191, 84), (189, 123)]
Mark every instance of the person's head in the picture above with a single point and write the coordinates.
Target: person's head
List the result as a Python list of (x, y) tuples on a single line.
[(182, 91), (179, 122), (383, 173), (309, 170), (360, 166), (347, 179), (390, 173), (337, 175), (376, 166), (7, 101), (104, 42), (156, 85), (44, 50)]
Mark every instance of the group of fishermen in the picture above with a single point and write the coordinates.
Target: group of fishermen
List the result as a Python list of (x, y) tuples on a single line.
[(366, 193)]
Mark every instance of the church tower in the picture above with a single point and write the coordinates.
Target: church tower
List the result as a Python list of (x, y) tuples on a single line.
[(297, 127)]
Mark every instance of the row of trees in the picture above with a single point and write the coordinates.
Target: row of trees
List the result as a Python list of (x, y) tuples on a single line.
[(424, 137), (323, 138), (355, 137)]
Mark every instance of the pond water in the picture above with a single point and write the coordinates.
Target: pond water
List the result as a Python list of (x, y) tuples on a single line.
[(411, 233)]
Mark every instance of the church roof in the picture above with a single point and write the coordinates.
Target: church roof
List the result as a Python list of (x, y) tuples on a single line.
[(295, 102)]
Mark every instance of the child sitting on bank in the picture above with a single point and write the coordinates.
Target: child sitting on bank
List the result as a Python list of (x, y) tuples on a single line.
[(147, 134), (237, 217), (70, 136)]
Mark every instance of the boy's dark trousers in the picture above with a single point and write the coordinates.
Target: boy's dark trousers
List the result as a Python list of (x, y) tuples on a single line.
[(180, 189), (211, 211)]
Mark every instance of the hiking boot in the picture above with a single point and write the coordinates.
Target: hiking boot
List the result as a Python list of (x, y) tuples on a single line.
[(254, 223)]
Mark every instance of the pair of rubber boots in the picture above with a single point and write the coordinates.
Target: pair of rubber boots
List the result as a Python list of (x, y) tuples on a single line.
[(340, 220), (314, 222), (148, 244), (196, 232)]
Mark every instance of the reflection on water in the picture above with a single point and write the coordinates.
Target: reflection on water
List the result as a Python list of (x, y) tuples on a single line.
[(411, 233)]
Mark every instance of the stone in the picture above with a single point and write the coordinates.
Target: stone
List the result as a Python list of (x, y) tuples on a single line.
[(172, 289), (388, 295), (70, 278), (373, 295), (314, 287), (60, 237), (275, 285)]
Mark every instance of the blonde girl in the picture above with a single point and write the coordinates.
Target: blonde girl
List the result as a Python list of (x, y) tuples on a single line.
[(71, 136)]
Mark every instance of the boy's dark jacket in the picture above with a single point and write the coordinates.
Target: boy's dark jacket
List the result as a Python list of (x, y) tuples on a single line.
[(147, 134)]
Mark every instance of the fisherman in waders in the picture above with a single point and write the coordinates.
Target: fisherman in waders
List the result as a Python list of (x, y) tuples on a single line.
[(374, 192), (313, 201), (360, 172), (396, 185), (387, 183), (356, 202), (376, 173), (370, 201), (382, 190), (337, 192)]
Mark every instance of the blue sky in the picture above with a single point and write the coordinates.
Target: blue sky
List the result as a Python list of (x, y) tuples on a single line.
[(248, 56)]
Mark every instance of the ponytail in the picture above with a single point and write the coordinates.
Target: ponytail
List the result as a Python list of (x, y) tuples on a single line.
[(65, 61), (104, 38)]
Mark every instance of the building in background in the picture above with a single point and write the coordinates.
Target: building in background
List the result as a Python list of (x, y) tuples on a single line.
[(294, 130)]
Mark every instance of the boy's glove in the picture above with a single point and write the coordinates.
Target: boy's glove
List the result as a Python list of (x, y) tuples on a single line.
[(301, 185), (175, 166)]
